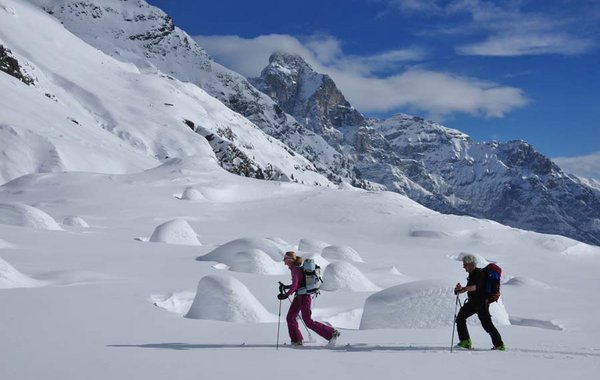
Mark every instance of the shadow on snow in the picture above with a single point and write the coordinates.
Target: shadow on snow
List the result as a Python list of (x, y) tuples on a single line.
[(358, 347)]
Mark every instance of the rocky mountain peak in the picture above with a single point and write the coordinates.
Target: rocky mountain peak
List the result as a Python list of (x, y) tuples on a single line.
[(312, 98), (288, 61)]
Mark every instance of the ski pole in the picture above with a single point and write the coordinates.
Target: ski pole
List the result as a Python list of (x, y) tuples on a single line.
[(278, 324), (454, 324), (281, 291)]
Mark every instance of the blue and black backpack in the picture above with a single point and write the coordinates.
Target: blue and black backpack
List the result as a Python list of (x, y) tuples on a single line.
[(491, 282)]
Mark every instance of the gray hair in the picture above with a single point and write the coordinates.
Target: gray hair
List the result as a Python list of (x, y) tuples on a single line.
[(469, 259)]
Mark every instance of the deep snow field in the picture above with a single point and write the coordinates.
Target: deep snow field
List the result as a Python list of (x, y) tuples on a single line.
[(172, 273)]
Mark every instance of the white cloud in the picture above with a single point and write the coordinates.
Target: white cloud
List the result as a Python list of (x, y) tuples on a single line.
[(527, 44), (584, 166), (249, 56), (507, 29), (437, 94)]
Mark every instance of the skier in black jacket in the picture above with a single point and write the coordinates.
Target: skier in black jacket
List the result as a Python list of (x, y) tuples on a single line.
[(476, 304)]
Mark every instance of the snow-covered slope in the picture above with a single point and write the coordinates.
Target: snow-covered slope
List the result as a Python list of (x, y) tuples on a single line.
[(133, 31), (117, 305), (81, 98)]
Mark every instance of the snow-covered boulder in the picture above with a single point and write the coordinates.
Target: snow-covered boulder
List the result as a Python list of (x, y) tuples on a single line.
[(311, 245), (227, 299), (18, 214), (341, 252), (226, 252), (526, 282), (75, 221), (256, 261), (343, 275), (176, 231), (418, 305), (191, 194), (12, 278)]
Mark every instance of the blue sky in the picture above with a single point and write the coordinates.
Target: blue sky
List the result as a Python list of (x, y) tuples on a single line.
[(504, 70)]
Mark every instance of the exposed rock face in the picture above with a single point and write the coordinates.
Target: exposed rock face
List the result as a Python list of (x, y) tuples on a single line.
[(310, 97), (509, 182), (10, 65)]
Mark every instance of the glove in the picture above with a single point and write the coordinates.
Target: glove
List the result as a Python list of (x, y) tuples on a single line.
[(282, 296), (458, 289)]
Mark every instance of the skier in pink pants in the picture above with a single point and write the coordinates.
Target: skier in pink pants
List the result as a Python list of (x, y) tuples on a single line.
[(302, 303)]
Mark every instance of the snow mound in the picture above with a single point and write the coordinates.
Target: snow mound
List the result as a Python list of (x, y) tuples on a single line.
[(539, 323), (283, 245), (17, 214), (340, 252), (390, 269), (580, 249), (417, 305), (75, 221), (348, 319), (311, 245), (12, 278), (191, 194), (178, 302), (555, 243), (526, 282), (256, 261), (5, 244), (227, 299), (176, 231), (226, 252), (343, 275)]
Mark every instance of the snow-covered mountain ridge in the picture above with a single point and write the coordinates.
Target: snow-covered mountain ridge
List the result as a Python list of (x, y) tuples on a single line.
[(441, 168), (133, 31), (83, 110)]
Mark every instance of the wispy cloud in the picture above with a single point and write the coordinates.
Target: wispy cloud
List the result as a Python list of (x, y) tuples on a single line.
[(383, 82), (512, 28), (323, 52), (587, 166), (530, 44)]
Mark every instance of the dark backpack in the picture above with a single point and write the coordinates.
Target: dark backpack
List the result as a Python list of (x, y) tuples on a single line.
[(491, 282)]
